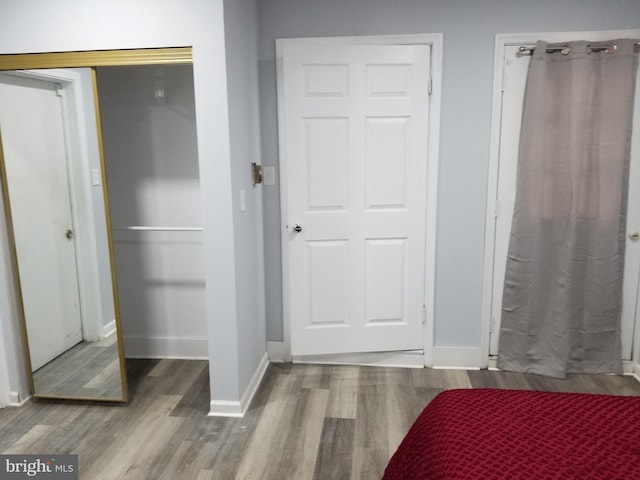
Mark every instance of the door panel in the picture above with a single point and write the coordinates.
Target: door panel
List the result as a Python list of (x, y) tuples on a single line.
[(35, 164), (356, 162), (327, 156)]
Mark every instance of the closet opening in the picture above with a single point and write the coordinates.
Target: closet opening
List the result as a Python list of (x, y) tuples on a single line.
[(149, 139)]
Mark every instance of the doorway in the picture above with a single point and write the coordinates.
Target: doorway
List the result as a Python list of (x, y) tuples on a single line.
[(358, 178), (510, 78)]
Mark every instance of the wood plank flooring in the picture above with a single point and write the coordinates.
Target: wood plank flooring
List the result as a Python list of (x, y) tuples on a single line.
[(306, 421)]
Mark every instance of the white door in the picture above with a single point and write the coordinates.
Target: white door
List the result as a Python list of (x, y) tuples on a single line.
[(33, 144), (514, 80), (354, 171)]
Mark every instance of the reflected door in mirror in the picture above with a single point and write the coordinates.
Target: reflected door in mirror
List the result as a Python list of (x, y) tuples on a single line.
[(36, 167), (69, 324)]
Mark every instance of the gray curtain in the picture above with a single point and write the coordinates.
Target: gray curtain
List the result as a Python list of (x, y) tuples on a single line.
[(563, 285)]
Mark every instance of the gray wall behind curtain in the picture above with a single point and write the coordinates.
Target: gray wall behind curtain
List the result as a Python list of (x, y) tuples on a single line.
[(563, 285)]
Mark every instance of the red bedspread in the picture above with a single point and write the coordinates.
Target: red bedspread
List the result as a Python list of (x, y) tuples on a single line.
[(508, 434)]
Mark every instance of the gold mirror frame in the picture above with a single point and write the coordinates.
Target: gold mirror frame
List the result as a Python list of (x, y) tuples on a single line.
[(87, 59)]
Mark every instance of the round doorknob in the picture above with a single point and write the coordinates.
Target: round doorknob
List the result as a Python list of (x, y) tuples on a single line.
[(297, 228), (69, 234), (635, 236)]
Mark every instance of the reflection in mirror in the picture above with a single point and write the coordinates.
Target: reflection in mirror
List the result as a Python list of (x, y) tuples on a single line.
[(147, 115), (52, 186), (53, 153)]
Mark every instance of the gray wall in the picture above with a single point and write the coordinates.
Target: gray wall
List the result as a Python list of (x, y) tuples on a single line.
[(469, 27), (68, 25), (241, 32)]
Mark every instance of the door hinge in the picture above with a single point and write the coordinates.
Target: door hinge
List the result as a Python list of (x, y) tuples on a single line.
[(424, 314), (430, 86), (496, 209), (492, 325), (59, 90)]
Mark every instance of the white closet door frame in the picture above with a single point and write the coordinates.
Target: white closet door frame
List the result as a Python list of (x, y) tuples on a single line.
[(502, 42), (435, 41)]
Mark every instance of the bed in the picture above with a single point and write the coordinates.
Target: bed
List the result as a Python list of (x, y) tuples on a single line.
[(512, 434)]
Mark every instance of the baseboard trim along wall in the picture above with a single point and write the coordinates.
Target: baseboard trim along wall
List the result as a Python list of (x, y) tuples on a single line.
[(277, 352), (166, 347), (465, 358), (237, 409), (17, 400), (108, 329)]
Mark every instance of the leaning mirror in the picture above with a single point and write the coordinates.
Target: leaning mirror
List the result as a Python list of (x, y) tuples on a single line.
[(56, 206), (54, 200)]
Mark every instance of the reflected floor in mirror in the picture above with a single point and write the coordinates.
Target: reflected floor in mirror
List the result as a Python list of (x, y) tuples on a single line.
[(88, 370)]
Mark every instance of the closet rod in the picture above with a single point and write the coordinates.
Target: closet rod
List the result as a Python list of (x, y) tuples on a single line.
[(143, 228), (526, 50)]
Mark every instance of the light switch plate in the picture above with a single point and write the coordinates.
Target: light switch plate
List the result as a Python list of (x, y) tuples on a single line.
[(95, 177), (268, 175), (243, 200)]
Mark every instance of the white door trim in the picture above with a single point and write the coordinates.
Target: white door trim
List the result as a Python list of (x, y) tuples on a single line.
[(436, 43), (501, 43)]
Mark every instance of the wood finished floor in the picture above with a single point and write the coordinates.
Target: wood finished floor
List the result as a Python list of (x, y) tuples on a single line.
[(306, 421)]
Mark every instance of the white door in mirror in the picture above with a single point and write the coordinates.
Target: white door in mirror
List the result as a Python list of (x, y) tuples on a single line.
[(33, 143)]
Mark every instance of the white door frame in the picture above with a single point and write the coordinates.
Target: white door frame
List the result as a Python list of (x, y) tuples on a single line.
[(435, 41), (501, 43)]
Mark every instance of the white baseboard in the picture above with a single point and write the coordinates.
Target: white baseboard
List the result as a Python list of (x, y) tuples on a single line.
[(166, 347), (17, 400), (492, 364), (108, 329), (227, 408), (277, 352), (464, 358), (413, 359)]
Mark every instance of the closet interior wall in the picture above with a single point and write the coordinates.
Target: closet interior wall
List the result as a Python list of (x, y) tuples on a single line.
[(149, 139)]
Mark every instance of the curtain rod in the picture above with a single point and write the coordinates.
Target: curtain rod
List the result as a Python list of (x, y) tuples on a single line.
[(565, 49)]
